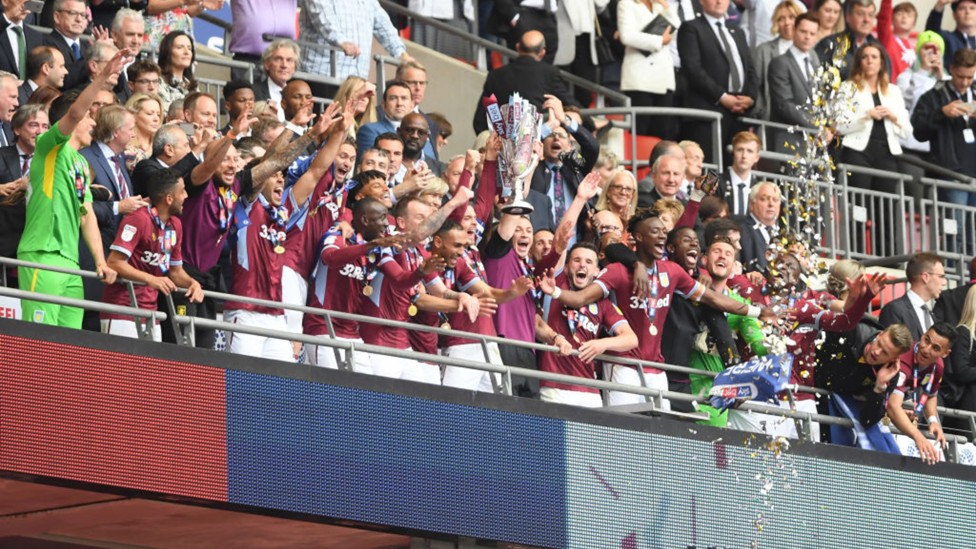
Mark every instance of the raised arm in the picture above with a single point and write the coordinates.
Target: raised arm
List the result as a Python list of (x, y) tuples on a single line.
[(79, 109), (337, 134)]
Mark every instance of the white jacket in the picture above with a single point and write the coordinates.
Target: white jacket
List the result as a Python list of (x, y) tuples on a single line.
[(652, 73), (855, 125), (441, 9)]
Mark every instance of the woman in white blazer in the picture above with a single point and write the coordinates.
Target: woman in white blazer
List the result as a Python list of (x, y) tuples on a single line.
[(872, 128), (647, 72)]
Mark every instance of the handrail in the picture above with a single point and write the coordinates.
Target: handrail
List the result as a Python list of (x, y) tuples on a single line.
[(633, 112), (601, 91), (935, 168), (508, 371), (215, 21)]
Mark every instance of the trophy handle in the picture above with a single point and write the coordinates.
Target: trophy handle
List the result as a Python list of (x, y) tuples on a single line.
[(518, 205)]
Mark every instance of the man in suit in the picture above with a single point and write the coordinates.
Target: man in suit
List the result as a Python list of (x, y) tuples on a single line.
[(414, 75), (646, 196), (948, 307), (415, 134), (128, 30), (759, 227), (790, 80), (173, 149), (721, 76), (280, 60), (737, 179), (45, 67), (70, 21), (513, 18), (8, 105), (860, 17), (13, 57), (554, 178), (143, 76), (29, 121), (114, 128), (926, 280), (527, 75), (667, 173), (964, 36), (397, 103)]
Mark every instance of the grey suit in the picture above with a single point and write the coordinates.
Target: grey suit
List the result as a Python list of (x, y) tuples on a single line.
[(789, 90), (761, 57)]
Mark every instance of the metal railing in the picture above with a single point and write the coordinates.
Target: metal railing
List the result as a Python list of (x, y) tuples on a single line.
[(653, 396), (630, 124)]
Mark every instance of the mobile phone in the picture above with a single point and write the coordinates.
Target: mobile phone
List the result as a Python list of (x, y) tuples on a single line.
[(188, 128), (34, 6)]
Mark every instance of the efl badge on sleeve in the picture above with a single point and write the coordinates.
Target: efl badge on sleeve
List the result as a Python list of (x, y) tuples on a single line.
[(128, 232)]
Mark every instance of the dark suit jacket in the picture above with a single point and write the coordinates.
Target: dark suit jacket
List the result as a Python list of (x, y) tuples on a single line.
[(261, 92), (145, 168), (948, 308), (24, 92), (530, 78), (366, 135), (31, 37), (726, 192), (104, 170), (12, 218), (542, 177), (77, 70), (900, 311), (826, 47), (706, 66), (8, 133), (753, 254)]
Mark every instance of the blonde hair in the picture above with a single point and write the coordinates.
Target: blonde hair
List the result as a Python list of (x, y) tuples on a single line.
[(602, 203), (134, 104), (436, 186), (348, 87), (839, 273), (788, 5), (968, 318), (670, 206)]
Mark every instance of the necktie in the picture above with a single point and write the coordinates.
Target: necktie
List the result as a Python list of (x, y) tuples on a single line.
[(808, 67), (76, 51), (548, 4), (559, 193), (21, 51), (734, 76), (740, 206), (25, 164), (971, 41), (120, 178), (927, 315), (3, 135)]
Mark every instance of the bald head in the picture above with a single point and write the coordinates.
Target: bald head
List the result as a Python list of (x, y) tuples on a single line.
[(532, 43), (414, 132)]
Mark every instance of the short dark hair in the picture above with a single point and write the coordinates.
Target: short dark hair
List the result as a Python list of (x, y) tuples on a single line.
[(675, 232), (806, 16), (141, 67), (719, 227), (640, 216), (192, 98), (964, 58), (235, 85), (400, 208), (37, 59), (849, 5), (448, 226), (161, 183), (945, 330), (386, 136), (61, 105), (920, 263), (394, 84), (585, 246)]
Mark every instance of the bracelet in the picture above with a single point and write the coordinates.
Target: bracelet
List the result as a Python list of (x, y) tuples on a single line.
[(557, 292), (295, 128), (555, 337), (934, 420), (754, 311)]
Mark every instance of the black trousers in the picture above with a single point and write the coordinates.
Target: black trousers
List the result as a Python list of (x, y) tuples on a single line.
[(664, 127), (207, 309)]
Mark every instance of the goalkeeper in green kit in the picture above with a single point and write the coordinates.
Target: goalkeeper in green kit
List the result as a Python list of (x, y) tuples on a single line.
[(59, 204)]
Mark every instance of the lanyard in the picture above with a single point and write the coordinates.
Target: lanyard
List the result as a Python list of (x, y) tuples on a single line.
[(225, 202), (651, 305), (167, 240), (921, 397), (526, 272), (280, 217)]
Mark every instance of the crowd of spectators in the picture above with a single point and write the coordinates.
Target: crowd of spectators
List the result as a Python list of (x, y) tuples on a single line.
[(116, 162)]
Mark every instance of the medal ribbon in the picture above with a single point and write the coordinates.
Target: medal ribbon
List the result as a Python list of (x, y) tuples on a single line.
[(651, 306), (80, 183), (167, 240), (921, 397), (280, 217), (225, 202)]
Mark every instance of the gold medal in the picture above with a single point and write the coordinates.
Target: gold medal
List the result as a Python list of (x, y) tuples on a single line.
[(368, 290), (576, 337), (412, 310), (446, 326), (653, 330), (279, 249)]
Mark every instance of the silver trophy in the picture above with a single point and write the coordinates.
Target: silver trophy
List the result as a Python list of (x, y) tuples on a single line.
[(516, 159)]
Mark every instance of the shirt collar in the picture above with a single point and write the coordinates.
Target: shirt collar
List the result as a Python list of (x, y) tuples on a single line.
[(914, 299), (712, 20), (108, 152)]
